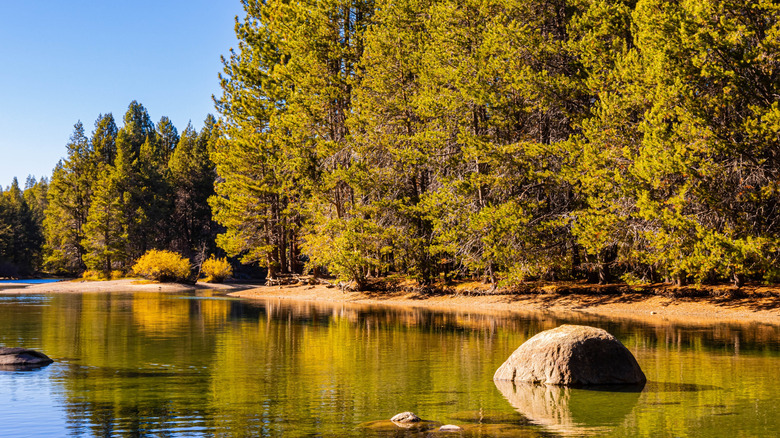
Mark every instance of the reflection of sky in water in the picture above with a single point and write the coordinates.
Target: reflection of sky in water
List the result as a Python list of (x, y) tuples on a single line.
[(202, 364), (28, 394), (24, 299), (35, 281)]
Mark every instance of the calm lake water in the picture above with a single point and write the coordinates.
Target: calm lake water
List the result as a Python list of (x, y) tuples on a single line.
[(151, 364), (32, 281)]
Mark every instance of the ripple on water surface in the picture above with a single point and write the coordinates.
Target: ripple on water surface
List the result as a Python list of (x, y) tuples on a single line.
[(153, 364)]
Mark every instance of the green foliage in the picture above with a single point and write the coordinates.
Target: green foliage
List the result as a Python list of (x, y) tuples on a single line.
[(286, 98), (216, 269), (162, 266), (69, 198), (123, 191), (352, 249), (680, 157), (192, 177), (597, 139), (106, 237), (21, 228)]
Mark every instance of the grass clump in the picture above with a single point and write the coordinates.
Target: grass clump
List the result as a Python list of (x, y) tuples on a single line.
[(216, 270), (162, 266)]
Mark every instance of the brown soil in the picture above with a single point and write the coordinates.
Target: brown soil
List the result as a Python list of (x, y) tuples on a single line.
[(753, 307)]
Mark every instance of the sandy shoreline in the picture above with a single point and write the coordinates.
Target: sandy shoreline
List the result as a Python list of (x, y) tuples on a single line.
[(647, 308), (651, 309), (124, 285)]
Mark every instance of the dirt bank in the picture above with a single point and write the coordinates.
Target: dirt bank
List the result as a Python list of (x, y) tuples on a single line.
[(647, 308)]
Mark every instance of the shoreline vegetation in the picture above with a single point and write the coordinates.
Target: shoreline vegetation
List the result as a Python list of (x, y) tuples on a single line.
[(508, 143), (654, 304)]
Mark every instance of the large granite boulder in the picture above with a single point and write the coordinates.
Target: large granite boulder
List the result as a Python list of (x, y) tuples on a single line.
[(572, 355), (22, 357)]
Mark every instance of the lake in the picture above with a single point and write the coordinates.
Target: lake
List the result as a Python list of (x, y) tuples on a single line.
[(200, 364), (31, 281)]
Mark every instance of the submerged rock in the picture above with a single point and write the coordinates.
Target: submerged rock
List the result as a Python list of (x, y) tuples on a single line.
[(398, 428), (22, 357), (405, 417), (450, 428), (572, 355)]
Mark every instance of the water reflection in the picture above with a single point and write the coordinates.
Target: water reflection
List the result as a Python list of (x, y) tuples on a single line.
[(199, 364), (571, 411), (731, 338), (22, 368)]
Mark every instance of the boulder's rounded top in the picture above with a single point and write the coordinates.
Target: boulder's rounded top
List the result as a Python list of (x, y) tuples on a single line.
[(572, 355), (574, 331)]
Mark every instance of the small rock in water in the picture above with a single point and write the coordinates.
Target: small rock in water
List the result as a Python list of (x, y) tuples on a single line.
[(450, 428), (405, 417)]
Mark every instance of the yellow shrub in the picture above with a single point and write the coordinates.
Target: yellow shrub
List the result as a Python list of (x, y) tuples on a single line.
[(216, 270), (91, 275), (116, 274), (162, 266)]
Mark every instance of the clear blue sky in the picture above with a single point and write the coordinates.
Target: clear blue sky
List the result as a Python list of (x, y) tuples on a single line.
[(65, 61)]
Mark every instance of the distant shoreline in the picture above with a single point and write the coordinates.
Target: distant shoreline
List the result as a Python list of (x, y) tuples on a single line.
[(124, 285), (647, 308), (652, 309)]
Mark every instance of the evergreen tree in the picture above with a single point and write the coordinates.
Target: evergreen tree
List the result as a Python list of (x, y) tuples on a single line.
[(466, 109), (104, 139), (105, 240), (167, 137), (286, 97), (35, 195), (192, 177), (681, 159), (69, 195), (20, 234), (142, 178)]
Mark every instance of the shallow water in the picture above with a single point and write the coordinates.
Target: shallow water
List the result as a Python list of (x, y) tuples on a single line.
[(32, 281), (152, 364)]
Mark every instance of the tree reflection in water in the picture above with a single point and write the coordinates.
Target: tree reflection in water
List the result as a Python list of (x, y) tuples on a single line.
[(161, 364)]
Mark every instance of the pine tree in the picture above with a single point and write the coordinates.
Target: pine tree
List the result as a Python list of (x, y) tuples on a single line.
[(105, 240), (681, 162), (192, 178), (287, 94), (167, 138), (143, 181), (69, 195), (464, 110), (104, 139), (20, 234)]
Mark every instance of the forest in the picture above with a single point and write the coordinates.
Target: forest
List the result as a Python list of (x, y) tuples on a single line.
[(435, 140), (117, 194)]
